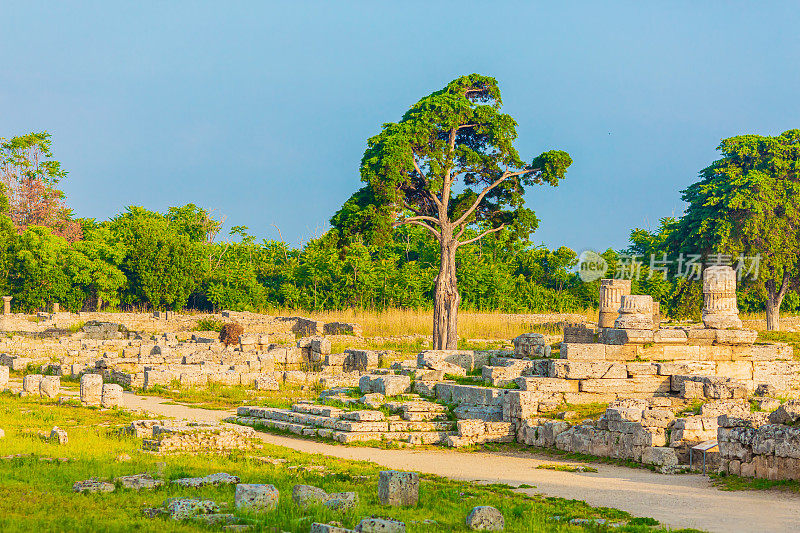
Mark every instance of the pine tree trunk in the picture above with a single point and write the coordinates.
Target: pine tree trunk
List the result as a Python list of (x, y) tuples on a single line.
[(446, 299), (773, 312)]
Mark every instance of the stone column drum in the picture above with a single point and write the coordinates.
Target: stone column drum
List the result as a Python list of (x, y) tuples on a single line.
[(635, 312), (7, 305), (611, 293), (719, 298), (112, 396), (92, 389)]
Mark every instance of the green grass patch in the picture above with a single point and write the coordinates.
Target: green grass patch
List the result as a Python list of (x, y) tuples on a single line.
[(732, 483), (36, 491), (223, 397), (209, 324), (567, 468)]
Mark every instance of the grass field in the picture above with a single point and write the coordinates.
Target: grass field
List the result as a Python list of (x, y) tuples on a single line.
[(36, 492), (471, 325)]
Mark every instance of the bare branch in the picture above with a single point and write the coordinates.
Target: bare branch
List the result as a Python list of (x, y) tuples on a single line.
[(486, 190), (418, 223), (482, 235)]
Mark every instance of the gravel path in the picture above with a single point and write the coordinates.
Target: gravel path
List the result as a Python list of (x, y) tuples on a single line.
[(678, 501)]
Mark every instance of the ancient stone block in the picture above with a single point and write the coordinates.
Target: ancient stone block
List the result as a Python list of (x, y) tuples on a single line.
[(719, 298), (621, 336), (736, 336), (30, 383), (3, 377), (583, 352), (635, 312), (111, 396), (485, 518), (49, 386), (92, 389), (611, 292), (669, 336), (398, 488), (529, 345), (256, 497)]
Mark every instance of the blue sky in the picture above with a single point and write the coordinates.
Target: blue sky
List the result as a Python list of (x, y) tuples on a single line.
[(261, 110)]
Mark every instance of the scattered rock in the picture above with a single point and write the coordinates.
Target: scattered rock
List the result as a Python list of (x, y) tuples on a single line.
[(305, 495), (329, 528), (216, 518), (58, 435), (138, 482), (398, 488), (342, 501), (123, 458), (485, 518), (220, 478), (256, 497), (373, 400), (93, 485), (50, 386), (787, 413), (183, 508), (2, 433), (380, 525)]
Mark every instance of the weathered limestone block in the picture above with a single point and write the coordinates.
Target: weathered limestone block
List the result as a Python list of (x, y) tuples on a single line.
[(485, 518), (583, 352), (620, 336), (611, 293), (398, 488), (265, 382), (547, 384), (220, 478), (669, 336), (256, 497), (58, 435), (660, 456), (361, 360), (588, 370), (635, 312), (111, 396), (687, 368), (641, 369), (316, 527), (307, 495), (49, 386), (92, 389), (702, 337), (446, 360), (581, 333), (321, 345), (719, 298), (93, 485), (380, 525), (740, 370), (735, 336), (788, 413), (30, 383), (3, 378), (529, 345)]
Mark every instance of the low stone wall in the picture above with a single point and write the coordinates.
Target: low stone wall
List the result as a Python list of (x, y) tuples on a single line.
[(198, 438), (750, 447)]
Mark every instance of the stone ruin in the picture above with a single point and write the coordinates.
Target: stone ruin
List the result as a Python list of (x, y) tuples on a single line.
[(667, 388)]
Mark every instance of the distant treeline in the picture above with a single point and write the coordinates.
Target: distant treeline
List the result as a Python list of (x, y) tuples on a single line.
[(173, 260)]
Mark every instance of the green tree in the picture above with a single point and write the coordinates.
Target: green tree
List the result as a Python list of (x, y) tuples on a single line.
[(449, 165), (748, 203), (29, 175), (162, 265)]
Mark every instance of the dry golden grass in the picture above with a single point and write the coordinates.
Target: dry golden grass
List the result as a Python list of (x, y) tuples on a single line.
[(471, 325)]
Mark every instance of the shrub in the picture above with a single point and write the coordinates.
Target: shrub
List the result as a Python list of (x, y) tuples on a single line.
[(229, 334)]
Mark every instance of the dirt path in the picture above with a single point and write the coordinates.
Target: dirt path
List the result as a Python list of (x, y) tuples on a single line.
[(677, 501)]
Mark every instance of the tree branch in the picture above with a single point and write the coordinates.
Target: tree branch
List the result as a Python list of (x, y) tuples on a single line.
[(422, 175), (482, 235), (419, 223), (421, 217), (486, 190)]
